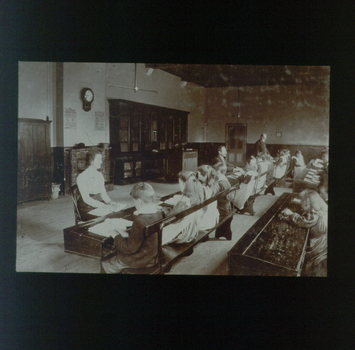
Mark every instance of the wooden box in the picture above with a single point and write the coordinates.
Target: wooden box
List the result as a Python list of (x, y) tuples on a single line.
[(79, 241), (271, 247)]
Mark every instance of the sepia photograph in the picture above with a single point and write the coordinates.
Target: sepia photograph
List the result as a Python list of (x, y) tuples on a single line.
[(165, 170), (173, 169)]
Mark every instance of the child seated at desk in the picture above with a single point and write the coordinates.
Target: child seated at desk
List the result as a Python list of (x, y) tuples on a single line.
[(185, 230), (209, 180), (223, 204), (316, 219), (280, 166), (298, 163), (135, 249)]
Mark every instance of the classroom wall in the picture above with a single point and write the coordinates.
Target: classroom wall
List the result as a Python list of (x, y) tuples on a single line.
[(171, 93), (36, 91), (87, 128), (40, 82), (299, 112)]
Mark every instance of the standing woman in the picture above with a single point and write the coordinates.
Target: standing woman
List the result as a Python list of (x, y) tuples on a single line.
[(209, 180), (91, 185)]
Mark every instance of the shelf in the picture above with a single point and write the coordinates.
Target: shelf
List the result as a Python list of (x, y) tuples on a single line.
[(144, 135)]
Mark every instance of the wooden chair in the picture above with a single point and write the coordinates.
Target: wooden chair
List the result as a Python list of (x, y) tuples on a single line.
[(75, 195)]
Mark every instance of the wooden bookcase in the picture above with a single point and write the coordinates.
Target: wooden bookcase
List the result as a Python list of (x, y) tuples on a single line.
[(142, 137)]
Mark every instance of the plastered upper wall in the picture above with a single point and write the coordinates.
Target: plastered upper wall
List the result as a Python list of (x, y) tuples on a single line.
[(171, 94), (37, 97), (75, 77), (299, 112), (36, 91)]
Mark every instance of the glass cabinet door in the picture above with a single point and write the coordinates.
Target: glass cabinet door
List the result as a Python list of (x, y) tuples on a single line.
[(145, 133), (123, 134), (154, 132), (177, 131), (135, 133), (183, 131), (162, 133), (170, 132)]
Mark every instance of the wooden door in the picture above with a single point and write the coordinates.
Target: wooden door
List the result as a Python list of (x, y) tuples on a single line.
[(236, 143)]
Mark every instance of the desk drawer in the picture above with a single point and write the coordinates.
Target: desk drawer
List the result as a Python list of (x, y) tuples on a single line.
[(88, 245)]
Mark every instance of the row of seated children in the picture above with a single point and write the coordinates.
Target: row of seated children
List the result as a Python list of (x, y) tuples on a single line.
[(196, 188), (273, 168), (255, 166), (135, 250), (283, 162)]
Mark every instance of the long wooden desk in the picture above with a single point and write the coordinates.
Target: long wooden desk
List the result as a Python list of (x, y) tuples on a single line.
[(79, 240), (271, 247)]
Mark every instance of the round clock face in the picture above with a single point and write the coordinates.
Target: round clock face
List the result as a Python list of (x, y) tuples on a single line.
[(89, 96)]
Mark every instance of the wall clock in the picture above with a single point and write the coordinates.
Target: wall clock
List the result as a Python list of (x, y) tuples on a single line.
[(87, 96)]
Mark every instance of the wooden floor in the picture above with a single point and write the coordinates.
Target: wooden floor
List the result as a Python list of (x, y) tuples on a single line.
[(40, 246)]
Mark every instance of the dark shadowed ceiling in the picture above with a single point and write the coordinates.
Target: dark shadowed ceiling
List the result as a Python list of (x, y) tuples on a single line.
[(234, 75)]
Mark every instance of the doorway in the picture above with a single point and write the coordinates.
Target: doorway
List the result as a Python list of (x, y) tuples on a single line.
[(236, 143)]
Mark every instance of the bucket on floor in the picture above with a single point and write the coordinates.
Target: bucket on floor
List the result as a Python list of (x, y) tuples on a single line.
[(55, 190)]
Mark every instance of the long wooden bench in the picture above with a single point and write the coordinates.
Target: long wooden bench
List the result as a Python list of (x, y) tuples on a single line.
[(170, 253), (79, 240)]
